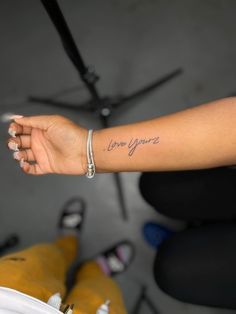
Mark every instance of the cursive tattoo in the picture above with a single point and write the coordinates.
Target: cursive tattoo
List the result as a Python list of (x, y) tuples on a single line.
[(113, 144), (132, 144)]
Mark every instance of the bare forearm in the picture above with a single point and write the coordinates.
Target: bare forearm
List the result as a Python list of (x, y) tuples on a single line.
[(200, 137)]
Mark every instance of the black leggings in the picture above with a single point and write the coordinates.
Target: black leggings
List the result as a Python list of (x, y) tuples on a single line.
[(197, 265)]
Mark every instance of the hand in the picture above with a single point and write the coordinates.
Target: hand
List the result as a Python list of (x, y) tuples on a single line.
[(48, 144)]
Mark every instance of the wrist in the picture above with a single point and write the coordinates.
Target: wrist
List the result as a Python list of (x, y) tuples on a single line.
[(98, 151), (83, 153)]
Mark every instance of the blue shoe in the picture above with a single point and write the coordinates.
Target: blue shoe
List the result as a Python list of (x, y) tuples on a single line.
[(154, 234)]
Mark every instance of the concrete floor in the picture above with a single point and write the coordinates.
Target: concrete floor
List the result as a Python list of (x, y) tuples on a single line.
[(131, 42)]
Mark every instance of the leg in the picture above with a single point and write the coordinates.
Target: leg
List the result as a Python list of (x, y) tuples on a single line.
[(93, 285), (92, 289), (192, 195), (198, 265), (40, 270)]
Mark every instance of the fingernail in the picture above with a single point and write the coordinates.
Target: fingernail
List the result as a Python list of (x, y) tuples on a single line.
[(16, 116), (16, 156), (12, 132), (13, 146), (5, 117), (22, 162)]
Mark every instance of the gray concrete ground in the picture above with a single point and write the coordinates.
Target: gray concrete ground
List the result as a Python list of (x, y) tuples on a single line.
[(131, 42)]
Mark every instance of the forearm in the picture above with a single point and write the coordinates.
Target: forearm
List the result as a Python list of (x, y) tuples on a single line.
[(200, 137)]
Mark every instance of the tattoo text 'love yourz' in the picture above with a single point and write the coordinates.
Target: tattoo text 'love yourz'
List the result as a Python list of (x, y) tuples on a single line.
[(132, 144)]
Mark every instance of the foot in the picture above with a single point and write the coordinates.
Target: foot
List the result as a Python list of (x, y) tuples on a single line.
[(72, 216), (116, 259), (155, 234)]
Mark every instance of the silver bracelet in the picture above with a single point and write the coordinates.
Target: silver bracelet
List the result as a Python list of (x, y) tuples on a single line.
[(91, 165)]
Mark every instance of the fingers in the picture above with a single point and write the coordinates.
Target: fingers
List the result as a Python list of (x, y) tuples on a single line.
[(25, 158), (31, 169), (26, 155), (39, 122), (19, 142), (16, 129)]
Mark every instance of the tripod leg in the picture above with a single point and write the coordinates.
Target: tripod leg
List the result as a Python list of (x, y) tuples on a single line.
[(104, 119), (151, 305), (148, 88), (83, 107), (144, 298), (117, 176), (120, 194), (139, 303)]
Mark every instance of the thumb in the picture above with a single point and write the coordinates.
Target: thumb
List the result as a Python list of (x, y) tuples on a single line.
[(39, 122)]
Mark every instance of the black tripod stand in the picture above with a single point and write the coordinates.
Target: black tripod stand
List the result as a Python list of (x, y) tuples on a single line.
[(103, 106), (144, 298)]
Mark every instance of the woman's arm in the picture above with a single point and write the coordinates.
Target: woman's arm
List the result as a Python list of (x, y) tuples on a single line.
[(200, 137)]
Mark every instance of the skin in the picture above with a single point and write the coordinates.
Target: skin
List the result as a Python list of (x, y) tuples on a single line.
[(53, 144), (196, 138)]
